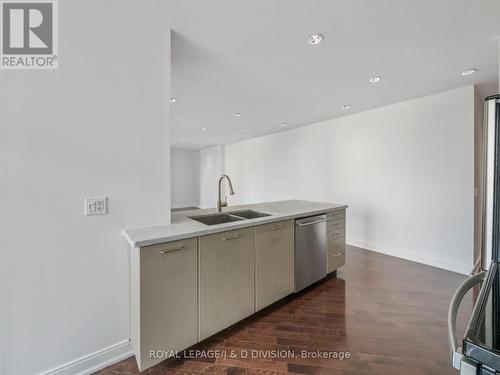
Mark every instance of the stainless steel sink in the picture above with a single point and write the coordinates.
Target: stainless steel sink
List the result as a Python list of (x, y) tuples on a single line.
[(214, 219), (249, 214)]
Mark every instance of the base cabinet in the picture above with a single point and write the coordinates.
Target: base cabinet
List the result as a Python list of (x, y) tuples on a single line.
[(274, 262), (335, 239), (164, 305), (226, 280), (185, 291)]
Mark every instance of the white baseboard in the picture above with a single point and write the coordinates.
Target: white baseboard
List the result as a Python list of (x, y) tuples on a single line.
[(445, 264), (93, 362)]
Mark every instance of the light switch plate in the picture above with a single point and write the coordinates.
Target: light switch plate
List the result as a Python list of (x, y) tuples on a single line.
[(96, 206)]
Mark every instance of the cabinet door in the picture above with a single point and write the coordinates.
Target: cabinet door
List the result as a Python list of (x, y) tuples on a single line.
[(168, 298), (226, 279), (274, 262), (336, 252), (336, 239)]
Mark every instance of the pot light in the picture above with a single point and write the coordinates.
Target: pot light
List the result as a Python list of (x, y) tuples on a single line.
[(374, 79), (315, 39), (346, 106), (173, 100), (238, 114), (284, 124), (204, 129), (468, 72)]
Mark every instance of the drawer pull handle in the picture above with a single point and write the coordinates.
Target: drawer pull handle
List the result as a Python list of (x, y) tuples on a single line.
[(277, 227), (230, 237), (337, 254), (171, 249), (335, 220)]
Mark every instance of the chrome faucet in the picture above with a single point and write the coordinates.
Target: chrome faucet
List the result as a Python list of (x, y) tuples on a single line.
[(221, 204)]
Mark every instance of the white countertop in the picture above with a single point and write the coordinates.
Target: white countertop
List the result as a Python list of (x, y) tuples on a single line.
[(183, 227)]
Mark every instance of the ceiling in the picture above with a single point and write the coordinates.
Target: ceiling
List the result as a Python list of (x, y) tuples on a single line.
[(253, 57)]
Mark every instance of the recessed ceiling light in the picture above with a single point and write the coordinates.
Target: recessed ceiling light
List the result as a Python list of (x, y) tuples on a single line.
[(468, 72), (284, 124), (238, 114), (346, 106), (204, 129), (315, 39), (374, 79), (183, 138), (173, 100)]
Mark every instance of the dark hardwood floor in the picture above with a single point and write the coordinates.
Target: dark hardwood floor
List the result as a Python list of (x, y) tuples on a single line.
[(389, 314)]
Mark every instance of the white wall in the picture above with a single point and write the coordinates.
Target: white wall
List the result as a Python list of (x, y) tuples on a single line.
[(98, 126), (184, 178), (211, 164), (405, 170)]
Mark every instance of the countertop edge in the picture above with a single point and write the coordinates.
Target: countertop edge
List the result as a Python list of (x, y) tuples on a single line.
[(128, 239), (224, 227)]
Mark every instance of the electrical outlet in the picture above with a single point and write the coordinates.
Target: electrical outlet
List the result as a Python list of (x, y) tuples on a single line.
[(96, 206)]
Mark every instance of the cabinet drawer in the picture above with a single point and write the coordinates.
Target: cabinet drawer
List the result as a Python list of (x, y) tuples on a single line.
[(226, 279), (336, 252), (337, 233), (275, 226), (336, 215), (336, 259), (274, 262), (337, 244), (335, 221), (335, 226)]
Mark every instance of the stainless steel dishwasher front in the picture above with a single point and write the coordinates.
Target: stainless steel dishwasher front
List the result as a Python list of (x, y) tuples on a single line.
[(310, 251)]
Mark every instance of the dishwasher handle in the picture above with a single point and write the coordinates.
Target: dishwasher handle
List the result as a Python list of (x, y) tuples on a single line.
[(311, 223)]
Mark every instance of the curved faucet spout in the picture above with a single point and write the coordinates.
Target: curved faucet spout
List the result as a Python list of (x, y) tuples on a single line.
[(221, 203)]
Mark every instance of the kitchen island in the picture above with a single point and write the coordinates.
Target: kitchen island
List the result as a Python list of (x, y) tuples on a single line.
[(190, 280)]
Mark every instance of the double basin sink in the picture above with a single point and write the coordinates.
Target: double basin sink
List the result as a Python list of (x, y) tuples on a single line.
[(229, 217)]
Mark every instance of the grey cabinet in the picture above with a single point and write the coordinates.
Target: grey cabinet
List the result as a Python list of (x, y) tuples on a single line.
[(274, 262), (335, 239), (185, 291), (226, 279), (164, 299)]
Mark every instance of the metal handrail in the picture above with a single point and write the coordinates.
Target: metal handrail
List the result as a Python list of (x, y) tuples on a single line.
[(467, 284)]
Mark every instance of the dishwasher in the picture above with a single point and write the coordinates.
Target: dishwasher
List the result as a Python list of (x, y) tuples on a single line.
[(310, 251)]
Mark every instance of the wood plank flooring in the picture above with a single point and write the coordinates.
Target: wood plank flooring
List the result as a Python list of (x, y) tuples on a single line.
[(389, 314)]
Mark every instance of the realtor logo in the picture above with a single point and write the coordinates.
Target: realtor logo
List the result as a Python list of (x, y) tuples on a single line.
[(29, 34)]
